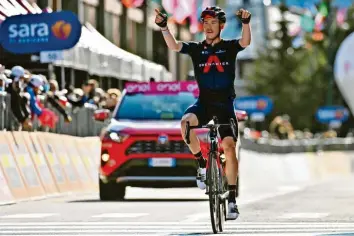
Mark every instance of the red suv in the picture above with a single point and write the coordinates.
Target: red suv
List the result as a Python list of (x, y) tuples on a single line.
[(142, 146)]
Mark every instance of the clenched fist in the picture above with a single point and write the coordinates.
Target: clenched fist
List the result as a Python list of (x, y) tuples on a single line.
[(161, 19), (244, 16)]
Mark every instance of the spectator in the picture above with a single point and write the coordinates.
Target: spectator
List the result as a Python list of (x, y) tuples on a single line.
[(281, 128), (88, 89), (112, 99), (19, 103), (99, 97), (57, 99), (45, 116), (4, 82)]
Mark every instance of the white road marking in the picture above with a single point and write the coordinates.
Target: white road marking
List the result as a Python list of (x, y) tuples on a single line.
[(172, 228), (303, 215), (180, 230), (228, 223), (195, 217), (31, 215), (244, 201), (120, 215)]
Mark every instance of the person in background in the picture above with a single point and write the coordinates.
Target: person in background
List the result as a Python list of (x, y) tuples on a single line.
[(99, 98), (4, 82), (112, 99), (88, 88), (19, 103), (45, 116), (57, 99)]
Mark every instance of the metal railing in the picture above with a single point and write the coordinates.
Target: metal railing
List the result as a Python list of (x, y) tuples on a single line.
[(300, 145), (82, 124)]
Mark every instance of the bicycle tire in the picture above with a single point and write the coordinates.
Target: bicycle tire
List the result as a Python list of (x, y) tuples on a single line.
[(237, 186), (213, 192), (222, 203)]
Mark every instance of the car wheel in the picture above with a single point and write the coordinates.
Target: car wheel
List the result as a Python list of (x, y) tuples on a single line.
[(111, 191)]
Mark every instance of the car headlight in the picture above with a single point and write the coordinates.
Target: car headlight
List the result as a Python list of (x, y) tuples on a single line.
[(116, 137)]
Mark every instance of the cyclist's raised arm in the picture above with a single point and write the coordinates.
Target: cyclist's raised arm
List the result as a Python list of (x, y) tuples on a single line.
[(161, 21), (245, 17)]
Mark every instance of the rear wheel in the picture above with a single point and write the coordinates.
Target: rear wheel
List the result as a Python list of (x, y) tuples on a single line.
[(214, 202), (111, 191)]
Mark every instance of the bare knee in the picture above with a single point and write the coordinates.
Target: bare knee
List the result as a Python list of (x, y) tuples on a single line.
[(192, 118), (228, 144)]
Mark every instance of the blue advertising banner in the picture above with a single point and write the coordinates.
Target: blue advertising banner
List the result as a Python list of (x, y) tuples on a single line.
[(34, 33), (254, 104), (327, 114)]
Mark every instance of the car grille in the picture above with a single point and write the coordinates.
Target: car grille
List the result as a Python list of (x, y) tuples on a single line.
[(154, 147), (161, 171)]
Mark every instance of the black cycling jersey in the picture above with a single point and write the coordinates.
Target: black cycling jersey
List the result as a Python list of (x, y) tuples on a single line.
[(214, 67)]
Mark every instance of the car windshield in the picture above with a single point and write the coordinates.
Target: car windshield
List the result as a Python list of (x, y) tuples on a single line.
[(154, 107)]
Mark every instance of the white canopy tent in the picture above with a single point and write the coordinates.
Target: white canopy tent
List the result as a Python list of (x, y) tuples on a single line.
[(97, 55)]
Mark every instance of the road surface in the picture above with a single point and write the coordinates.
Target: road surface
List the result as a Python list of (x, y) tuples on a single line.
[(325, 208)]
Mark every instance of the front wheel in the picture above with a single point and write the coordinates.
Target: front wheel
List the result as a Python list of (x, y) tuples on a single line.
[(111, 191), (214, 202), (237, 187)]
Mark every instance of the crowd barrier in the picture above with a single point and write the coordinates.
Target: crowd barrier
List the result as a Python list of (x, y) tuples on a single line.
[(35, 165), (258, 169), (267, 145), (82, 118)]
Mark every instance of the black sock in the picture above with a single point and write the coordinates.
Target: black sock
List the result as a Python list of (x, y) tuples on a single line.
[(200, 159), (232, 193)]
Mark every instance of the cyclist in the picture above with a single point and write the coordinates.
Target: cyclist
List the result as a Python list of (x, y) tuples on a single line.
[(214, 66)]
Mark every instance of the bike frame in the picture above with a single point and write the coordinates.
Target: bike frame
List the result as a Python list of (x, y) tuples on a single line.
[(215, 189)]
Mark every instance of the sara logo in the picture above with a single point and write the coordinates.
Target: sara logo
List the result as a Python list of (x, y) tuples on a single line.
[(261, 104), (31, 33), (327, 114), (254, 104), (40, 32), (339, 114), (61, 29)]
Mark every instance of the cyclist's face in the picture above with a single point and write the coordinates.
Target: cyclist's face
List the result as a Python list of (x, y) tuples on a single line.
[(211, 27)]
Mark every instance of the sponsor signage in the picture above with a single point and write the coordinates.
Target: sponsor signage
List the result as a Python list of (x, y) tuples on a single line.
[(328, 114), (33, 33), (163, 87), (254, 104)]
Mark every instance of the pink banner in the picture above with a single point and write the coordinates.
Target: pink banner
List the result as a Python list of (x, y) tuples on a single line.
[(163, 87)]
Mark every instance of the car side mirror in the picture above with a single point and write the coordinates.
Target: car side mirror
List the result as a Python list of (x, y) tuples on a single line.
[(241, 115), (101, 114)]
